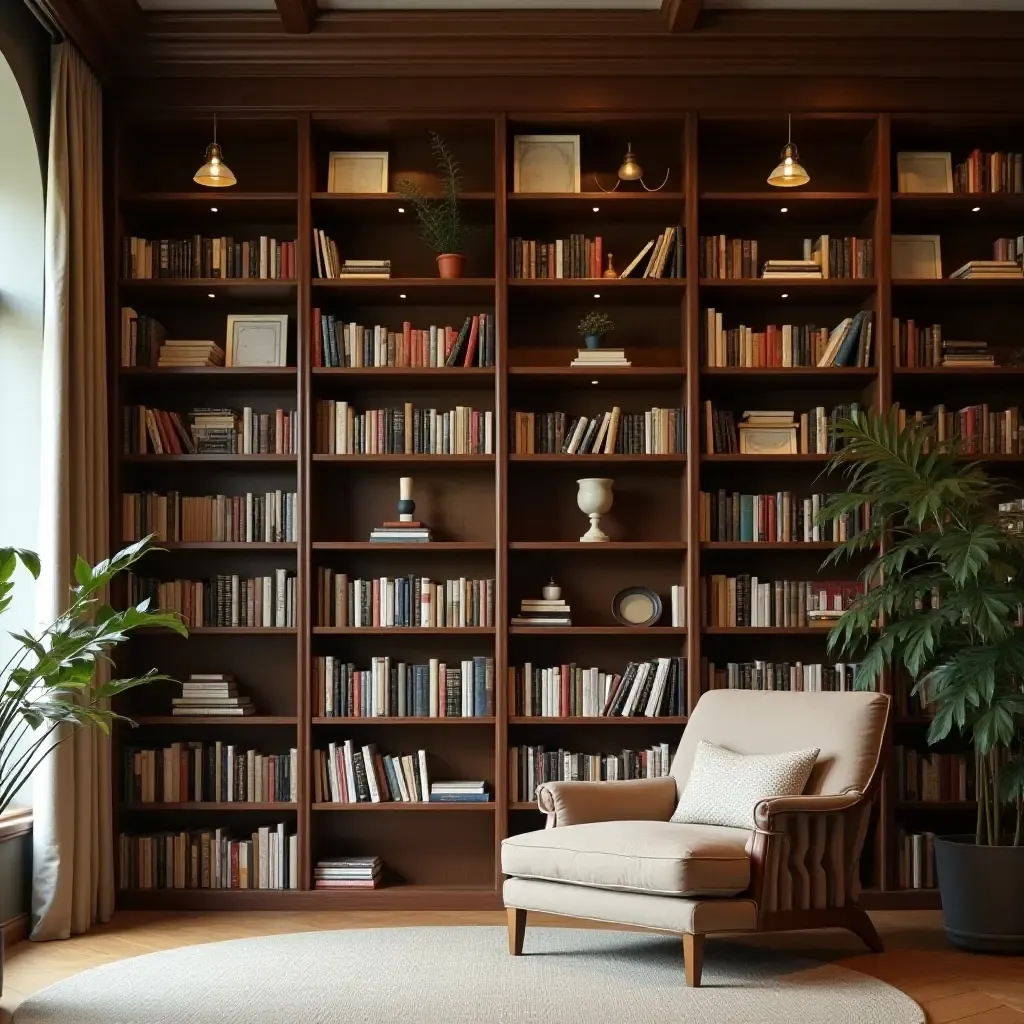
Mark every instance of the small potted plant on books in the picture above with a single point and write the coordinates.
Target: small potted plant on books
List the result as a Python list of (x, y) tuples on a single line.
[(440, 217), (593, 327), (945, 578)]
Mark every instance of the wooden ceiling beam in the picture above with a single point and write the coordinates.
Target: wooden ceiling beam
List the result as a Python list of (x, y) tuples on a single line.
[(681, 15), (298, 15)]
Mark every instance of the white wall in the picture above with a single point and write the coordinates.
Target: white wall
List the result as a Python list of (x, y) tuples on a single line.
[(21, 343)]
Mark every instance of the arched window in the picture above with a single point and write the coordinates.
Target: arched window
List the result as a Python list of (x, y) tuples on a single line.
[(22, 235)]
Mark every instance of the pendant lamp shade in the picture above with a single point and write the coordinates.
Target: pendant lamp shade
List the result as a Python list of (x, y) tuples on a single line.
[(630, 169), (214, 173), (789, 171)]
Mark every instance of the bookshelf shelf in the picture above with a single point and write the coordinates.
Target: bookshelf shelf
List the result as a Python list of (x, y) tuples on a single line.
[(215, 720), (237, 805), (414, 720), (658, 322), (224, 545), (387, 806), (821, 631)]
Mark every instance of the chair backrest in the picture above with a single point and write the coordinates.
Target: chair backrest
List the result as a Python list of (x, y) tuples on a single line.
[(847, 728)]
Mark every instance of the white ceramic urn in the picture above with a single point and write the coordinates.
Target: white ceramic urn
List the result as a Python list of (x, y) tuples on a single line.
[(594, 499)]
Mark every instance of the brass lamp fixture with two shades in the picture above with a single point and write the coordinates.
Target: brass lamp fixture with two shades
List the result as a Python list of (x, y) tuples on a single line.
[(214, 173), (789, 171)]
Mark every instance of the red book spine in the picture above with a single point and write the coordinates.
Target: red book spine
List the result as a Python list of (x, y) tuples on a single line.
[(375, 596), (471, 347), (563, 703), (408, 356)]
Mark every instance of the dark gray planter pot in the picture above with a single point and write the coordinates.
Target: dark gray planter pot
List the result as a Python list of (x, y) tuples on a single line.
[(982, 891)]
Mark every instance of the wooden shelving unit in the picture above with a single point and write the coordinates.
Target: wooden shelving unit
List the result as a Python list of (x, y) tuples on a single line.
[(513, 517)]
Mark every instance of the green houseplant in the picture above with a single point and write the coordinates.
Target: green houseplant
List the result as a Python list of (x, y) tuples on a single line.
[(440, 217), (944, 585), (593, 327), (50, 679)]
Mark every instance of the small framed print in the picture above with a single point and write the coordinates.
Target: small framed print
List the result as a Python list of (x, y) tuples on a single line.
[(546, 163), (916, 257), (358, 172), (257, 340), (924, 172), (756, 440)]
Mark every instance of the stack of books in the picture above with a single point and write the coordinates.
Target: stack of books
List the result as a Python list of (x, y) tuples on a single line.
[(190, 353), (412, 532), (967, 353), (601, 357), (791, 270), (769, 432), (366, 268), (459, 791), (542, 611), (214, 431), (990, 270), (347, 873), (213, 693)]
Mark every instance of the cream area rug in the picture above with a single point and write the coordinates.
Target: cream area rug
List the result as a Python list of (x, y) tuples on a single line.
[(465, 976)]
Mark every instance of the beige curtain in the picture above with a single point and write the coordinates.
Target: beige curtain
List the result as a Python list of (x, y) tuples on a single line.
[(73, 878)]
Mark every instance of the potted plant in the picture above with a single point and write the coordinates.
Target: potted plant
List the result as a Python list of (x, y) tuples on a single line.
[(946, 590), (593, 327), (50, 680), (440, 217)]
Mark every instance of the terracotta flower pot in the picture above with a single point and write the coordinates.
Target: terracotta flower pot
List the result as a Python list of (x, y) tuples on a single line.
[(450, 264)]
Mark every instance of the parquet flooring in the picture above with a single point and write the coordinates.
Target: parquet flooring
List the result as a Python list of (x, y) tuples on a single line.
[(953, 987)]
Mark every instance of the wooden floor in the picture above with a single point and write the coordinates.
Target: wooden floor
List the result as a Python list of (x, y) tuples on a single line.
[(950, 985)]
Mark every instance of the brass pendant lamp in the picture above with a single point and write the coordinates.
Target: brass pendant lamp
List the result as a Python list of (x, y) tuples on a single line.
[(214, 173), (789, 171)]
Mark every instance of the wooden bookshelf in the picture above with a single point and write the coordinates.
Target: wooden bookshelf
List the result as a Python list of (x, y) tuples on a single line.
[(514, 517)]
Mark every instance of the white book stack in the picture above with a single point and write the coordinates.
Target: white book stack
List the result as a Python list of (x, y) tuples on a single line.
[(208, 694), (542, 611), (791, 270), (991, 270), (190, 353), (459, 791), (601, 357)]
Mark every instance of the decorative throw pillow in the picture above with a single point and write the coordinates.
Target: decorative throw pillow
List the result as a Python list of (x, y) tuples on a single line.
[(724, 787)]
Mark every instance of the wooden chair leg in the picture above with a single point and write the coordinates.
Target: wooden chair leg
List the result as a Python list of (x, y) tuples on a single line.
[(516, 930), (693, 959), (860, 924)]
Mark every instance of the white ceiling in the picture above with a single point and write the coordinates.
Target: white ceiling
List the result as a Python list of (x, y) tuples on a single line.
[(804, 5)]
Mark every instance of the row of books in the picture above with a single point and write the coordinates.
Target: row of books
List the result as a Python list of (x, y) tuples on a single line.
[(644, 689), (209, 859), (394, 689), (530, 766), (728, 516), (982, 430), (196, 772), (347, 773), (652, 432), (915, 860), (932, 776), (337, 343), (265, 258), (573, 257), (721, 257), (224, 600), (402, 602), (792, 677), (209, 432), (989, 172), (846, 258), (347, 873), (915, 345), (329, 263), (746, 600), (237, 518), (403, 430), (141, 338), (810, 433)]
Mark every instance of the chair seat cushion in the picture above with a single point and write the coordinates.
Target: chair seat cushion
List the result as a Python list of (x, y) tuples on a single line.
[(635, 856)]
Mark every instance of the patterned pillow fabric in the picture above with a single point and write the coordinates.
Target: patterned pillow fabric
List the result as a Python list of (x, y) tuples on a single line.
[(724, 787)]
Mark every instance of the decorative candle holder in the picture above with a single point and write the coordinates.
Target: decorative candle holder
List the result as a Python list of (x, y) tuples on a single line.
[(406, 506), (594, 499)]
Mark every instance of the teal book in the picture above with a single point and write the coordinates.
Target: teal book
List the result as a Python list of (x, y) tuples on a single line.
[(848, 349), (746, 517)]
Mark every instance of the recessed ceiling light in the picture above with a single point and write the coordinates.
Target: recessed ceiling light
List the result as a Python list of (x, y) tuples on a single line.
[(597, 209), (211, 295), (597, 295), (784, 209), (975, 209), (785, 295), (401, 209), (402, 296), (213, 209), (593, 382)]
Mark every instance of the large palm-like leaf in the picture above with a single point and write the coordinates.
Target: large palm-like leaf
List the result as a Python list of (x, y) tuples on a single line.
[(944, 588)]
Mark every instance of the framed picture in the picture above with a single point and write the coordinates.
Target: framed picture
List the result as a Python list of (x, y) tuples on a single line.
[(924, 172), (916, 257), (756, 440), (546, 163), (358, 172), (257, 340)]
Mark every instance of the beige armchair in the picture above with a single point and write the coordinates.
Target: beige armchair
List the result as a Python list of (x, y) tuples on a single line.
[(610, 853)]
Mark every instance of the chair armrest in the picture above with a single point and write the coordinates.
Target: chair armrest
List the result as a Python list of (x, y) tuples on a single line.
[(832, 803), (576, 803)]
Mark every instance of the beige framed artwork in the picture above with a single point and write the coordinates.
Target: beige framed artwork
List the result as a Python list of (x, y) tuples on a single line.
[(365, 172), (916, 257), (768, 440), (257, 340), (546, 163), (924, 173)]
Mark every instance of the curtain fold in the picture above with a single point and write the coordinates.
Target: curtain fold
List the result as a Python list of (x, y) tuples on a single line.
[(73, 876)]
